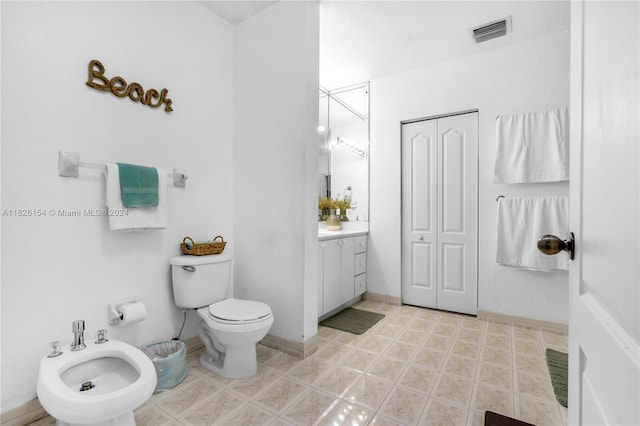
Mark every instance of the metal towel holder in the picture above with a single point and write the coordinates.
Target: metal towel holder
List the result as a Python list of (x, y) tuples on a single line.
[(69, 164)]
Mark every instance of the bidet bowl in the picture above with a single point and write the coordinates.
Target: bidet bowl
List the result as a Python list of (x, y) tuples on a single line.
[(121, 378)]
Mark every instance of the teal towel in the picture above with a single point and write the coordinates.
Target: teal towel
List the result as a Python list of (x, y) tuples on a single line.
[(139, 185)]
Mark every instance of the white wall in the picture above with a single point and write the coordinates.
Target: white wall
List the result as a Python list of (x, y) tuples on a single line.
[(275, 164), (59, 269), (523, 77)]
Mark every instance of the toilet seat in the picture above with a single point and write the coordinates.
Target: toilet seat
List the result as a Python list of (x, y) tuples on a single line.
[(239, 312)]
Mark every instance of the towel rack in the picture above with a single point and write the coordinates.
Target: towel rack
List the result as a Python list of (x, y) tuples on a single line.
[(69, 163), (500, 196)]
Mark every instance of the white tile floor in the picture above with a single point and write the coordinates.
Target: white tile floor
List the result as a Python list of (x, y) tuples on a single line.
[(416, 366)]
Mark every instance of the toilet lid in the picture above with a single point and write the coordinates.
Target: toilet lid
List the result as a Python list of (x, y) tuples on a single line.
[(239, 310)]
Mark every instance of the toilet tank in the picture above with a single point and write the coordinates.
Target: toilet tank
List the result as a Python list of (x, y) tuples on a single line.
[(200, 280)]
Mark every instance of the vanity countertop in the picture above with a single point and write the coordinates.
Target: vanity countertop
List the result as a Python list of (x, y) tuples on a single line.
[(347, 229)]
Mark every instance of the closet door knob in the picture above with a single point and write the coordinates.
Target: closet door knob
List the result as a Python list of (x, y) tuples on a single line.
[(550, 244), (421, 238)]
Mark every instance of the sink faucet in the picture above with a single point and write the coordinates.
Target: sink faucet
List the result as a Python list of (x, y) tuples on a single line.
[(78, 335)]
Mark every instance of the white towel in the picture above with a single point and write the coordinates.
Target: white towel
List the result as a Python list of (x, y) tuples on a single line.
[(533, 147), (522, 221), (122, 218)]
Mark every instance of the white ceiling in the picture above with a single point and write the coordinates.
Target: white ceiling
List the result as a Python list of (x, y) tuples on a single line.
[(365, 40), (238, 10)]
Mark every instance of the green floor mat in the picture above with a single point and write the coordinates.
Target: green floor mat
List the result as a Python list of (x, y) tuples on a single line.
[(558, 363), (352, 320)]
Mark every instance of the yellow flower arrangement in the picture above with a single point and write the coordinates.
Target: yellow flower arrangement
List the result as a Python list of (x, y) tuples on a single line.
[(325, 203)]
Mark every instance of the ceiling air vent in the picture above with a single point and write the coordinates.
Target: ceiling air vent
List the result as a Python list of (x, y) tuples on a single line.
[(491, 30)]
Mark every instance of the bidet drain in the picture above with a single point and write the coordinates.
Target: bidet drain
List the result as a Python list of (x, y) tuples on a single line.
[(87, 386)]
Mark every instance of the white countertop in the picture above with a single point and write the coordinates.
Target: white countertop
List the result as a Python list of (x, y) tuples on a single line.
[(347, 229)]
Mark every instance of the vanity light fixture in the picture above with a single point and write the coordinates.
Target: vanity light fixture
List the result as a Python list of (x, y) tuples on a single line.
[(351, 146)]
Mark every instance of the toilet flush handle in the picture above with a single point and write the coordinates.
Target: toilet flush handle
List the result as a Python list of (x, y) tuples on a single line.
[(189, 268)]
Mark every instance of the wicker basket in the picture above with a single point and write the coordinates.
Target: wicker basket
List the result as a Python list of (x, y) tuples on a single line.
[(201, 249)]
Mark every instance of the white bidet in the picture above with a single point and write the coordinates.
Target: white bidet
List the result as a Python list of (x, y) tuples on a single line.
[(99, 385)]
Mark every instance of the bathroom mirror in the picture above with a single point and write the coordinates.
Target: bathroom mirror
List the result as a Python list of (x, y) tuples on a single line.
[(344, 146)]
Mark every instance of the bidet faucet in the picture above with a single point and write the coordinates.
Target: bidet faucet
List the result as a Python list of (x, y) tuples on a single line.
[(78, 335)]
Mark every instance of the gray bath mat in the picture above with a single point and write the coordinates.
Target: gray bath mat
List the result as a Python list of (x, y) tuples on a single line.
[(353, 320)]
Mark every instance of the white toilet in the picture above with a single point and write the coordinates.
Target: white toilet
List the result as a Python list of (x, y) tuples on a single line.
[(230, 328)]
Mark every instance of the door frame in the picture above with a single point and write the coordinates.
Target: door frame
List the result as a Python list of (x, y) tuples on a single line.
[(435, 117)]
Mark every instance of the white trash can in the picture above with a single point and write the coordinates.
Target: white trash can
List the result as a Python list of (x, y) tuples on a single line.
[(170, 360)]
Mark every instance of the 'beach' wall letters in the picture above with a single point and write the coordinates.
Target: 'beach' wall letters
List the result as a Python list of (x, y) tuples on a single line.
[(118, 86)]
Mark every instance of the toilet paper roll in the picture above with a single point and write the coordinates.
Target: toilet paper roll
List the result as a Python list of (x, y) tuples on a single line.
[(132, 312)]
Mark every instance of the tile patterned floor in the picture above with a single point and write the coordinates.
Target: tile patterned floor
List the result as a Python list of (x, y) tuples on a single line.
[(415, 367)]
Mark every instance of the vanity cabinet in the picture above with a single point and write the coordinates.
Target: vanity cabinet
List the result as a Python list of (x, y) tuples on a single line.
[(342, 268), (360, 285)]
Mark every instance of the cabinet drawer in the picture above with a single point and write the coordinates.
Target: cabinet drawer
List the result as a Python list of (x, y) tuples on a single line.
[(361, 263), (360, 284), (361, 244)]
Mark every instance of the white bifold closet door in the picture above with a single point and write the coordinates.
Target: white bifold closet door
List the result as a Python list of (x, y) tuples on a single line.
[(440, 213)]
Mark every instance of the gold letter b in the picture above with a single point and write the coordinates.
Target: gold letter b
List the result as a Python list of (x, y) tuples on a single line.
[(99, 74)]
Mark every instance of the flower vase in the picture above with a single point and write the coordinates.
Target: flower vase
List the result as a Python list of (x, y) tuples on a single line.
[(333, 221), (343, 215), (324, 215)]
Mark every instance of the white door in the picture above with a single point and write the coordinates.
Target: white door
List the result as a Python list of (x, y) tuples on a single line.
[(604, 324), (439, 213), (419, 219)]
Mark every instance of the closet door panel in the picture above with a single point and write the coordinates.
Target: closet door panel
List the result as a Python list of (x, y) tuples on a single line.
[(452, 266), (452, 202), (419, 192), (457, 213), (421, 272)]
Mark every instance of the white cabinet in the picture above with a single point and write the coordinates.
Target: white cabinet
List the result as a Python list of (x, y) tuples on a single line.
[(360, 284), (342, 265)]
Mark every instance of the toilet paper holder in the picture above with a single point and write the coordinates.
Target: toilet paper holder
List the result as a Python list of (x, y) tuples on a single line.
[(115, 309)]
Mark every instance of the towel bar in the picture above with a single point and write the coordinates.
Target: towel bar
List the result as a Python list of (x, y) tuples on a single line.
[(69, 163)]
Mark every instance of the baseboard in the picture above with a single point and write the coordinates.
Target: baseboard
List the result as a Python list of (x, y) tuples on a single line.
[(297, 349), (193, 344), (24, 414), (382, 298), (548, 326)]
